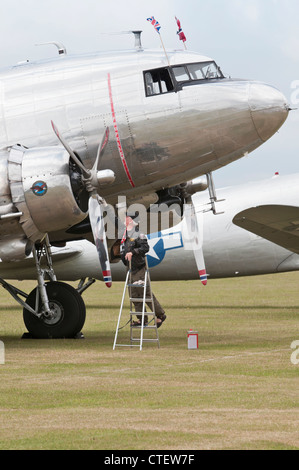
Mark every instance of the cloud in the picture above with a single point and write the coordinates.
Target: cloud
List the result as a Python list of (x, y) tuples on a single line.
[(249, 11), (290, 47)]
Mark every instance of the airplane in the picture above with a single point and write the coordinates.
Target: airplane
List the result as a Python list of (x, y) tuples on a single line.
[(78, 132), (246, 238)]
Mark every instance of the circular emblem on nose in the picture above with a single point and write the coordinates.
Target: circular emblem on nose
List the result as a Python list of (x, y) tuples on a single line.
[(39, 188)]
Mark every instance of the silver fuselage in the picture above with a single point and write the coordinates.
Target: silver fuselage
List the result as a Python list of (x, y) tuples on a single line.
[(156, 141), (167, 138)]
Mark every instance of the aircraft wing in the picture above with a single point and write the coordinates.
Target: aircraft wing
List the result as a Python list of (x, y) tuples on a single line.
[(64, 253), (276, 223), (71, 250)]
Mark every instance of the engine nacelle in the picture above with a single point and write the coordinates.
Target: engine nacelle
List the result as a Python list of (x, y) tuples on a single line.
[(41, 190), (15, 248)]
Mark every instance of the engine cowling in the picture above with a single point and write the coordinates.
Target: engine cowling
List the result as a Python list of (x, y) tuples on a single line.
[(43, 192), (41, 197)]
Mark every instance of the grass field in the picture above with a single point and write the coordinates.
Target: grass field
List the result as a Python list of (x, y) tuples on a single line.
[(239, 390)]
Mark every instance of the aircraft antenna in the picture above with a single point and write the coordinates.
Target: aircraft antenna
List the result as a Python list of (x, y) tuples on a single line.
[(137, 35), (61, 48)]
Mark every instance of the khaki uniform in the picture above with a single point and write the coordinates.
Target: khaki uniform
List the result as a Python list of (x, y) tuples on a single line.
[(137, 244), (137, 293)]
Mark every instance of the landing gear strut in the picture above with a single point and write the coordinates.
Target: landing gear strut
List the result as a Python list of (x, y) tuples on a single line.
[(60, 310), (53, 309), (213, 197), (65, 316)]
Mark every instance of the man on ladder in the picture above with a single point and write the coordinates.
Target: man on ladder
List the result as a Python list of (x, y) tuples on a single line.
[(134, 247)]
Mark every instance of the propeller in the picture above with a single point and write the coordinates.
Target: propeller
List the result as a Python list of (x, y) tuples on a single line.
[(92, 180), (99, 235), (194, 237)]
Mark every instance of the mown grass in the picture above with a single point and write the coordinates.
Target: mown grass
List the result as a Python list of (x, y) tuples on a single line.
[(239, 390)]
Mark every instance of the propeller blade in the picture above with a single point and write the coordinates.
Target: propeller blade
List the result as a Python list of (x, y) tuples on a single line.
[(91, 180), (99, 235), (69, 150), (101, 149), (194, 238)]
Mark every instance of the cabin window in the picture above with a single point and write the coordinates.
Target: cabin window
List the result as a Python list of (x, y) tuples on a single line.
[(158, 81)]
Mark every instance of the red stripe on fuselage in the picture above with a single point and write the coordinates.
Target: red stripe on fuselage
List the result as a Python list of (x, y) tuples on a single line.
[(120, 149)]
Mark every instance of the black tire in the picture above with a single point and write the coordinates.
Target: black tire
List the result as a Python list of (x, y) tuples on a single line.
[(70, 313)]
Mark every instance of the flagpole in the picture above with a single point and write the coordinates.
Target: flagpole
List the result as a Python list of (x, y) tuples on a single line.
[(164, 50), (157, 27)]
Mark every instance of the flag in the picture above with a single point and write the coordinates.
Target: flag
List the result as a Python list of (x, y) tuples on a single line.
[(155, 24), (180, 31)]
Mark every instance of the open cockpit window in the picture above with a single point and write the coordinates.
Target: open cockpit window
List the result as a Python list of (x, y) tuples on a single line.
[(158, 81)]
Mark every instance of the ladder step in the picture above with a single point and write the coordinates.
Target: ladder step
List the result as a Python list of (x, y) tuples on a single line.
[(145, 340), (140, 313), (145, 326), (136, 285), (151, 325)]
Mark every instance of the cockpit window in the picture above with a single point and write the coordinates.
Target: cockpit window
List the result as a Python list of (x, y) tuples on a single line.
[(158, 81), (181, 73), (200, 71), (170, 79)]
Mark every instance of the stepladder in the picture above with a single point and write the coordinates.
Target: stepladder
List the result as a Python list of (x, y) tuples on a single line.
[(142, 321)]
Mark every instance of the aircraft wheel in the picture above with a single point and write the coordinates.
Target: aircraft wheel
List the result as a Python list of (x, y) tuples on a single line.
[(68, 313)]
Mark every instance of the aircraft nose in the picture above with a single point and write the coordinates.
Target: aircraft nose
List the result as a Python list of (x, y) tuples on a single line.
[(269, 109)]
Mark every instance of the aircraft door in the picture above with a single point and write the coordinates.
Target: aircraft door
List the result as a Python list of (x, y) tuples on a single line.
[(159, 133)]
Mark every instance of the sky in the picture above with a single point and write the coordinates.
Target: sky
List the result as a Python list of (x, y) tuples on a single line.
[(256, 39)]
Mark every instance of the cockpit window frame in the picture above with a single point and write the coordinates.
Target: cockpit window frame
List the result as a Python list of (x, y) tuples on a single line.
[(173, 84), (186, 66)]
